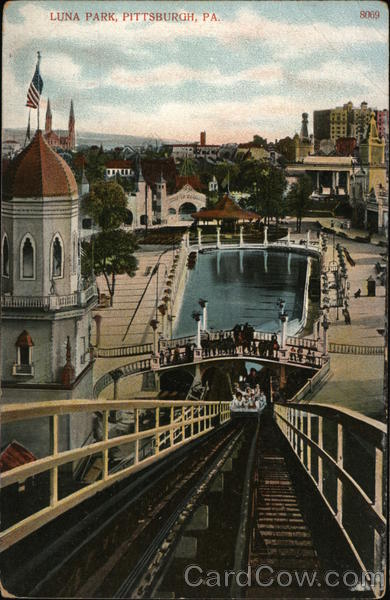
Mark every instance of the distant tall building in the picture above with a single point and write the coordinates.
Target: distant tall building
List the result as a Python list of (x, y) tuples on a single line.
[(342, 122), (321, 125), (382, 122), (56, 140), (361, 121)]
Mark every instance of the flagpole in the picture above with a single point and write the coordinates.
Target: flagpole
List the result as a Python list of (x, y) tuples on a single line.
[(39, 60), (28, 133)]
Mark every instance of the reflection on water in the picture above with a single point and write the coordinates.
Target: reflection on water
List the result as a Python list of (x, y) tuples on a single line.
[(243, 286)]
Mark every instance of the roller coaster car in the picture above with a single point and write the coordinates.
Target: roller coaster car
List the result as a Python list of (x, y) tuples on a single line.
[(238, 411)]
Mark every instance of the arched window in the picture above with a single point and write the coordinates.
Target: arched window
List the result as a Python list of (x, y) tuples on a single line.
[(171, 211), (57, 257), (5, 257), (27, 257), (24, 349)]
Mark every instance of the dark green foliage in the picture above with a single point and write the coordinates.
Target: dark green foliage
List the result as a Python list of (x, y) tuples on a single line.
[(298, 199), (111, 253), (106, 203)]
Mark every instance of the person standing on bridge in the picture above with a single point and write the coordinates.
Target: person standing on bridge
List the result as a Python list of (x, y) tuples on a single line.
[(300, 354), (275, 348)]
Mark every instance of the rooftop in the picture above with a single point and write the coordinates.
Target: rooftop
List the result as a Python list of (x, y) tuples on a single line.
[(38, 172)]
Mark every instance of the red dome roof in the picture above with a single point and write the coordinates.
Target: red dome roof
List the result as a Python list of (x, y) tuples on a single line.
[(38, 171)]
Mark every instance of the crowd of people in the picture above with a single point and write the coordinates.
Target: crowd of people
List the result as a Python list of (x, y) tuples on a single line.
[(240, 340), (248, 395)]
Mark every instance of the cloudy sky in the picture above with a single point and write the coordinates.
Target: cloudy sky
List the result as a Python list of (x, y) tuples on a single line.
[(253, 70)]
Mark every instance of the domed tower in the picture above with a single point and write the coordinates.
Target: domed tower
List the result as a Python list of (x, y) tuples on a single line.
[(46, 306)]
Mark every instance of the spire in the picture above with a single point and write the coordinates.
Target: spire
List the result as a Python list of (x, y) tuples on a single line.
[(68, 372), (48, 122), (71, 114), (71, 128)]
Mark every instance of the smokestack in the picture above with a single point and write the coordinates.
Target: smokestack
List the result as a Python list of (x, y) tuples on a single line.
[(202, 138)]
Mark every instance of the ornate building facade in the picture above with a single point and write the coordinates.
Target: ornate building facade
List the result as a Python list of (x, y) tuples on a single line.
[(56, 140), (46, 306)]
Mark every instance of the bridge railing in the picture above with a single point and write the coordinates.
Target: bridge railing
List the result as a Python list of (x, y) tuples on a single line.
[(105, 380), (302, 342), (343, 453), (173, 424), (355, 349), (118, 352), (183, 355)]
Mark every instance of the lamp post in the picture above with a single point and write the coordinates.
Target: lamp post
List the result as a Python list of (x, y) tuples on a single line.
[(241, 236), (283, 318), (325, 324), (196, 317), (199, 237), (165, 274), (154, 325), (203, 305)]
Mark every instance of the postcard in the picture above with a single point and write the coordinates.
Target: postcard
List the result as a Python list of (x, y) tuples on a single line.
[(194, 259)]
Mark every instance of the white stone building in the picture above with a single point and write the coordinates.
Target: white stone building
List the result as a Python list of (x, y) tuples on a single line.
[(46, 307)]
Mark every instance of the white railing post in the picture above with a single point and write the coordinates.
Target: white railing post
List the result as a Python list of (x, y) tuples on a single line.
[(265, 235), (172, 419), (157, 425), (54, 470), (241, 236), (218, 236), (105, 439), (308, 416), (308, 236), (340, 460), (320, 445), (288, 236), (136, 430)]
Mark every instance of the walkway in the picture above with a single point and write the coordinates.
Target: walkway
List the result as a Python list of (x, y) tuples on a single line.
[(356, 382), (282, 538), (128, 293)]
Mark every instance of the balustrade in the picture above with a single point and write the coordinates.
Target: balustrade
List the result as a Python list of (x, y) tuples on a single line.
[(194, 420), (343, 454)]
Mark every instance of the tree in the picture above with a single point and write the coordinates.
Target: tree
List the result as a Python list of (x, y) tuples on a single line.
[(267, 185), (260, 141), (110, 253), (107, 205), (298, 199)]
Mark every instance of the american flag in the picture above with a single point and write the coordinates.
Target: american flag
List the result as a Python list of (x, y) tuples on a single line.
[(35, 89)]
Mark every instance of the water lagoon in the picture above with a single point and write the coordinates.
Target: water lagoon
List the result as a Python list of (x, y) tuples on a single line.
[(244, 286)]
